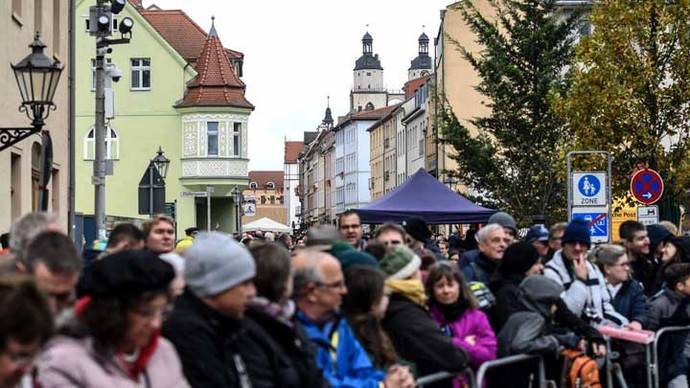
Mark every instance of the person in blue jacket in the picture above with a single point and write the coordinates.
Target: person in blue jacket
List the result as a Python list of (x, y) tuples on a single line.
[(319, 286)]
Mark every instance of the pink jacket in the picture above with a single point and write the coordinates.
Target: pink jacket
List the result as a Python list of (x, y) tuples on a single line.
[(472, 322), (71, 362)]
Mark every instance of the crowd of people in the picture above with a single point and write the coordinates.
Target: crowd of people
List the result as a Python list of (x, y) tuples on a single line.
[(333, 307)]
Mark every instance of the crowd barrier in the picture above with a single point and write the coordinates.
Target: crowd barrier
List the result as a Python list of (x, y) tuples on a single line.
[(467, 374)]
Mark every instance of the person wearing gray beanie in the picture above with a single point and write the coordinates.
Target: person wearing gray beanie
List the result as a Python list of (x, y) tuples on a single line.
[(218, 273), (507, 222)]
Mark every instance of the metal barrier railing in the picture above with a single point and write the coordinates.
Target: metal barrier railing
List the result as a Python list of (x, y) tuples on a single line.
[(441, 376), (516, 359), (654, 367)]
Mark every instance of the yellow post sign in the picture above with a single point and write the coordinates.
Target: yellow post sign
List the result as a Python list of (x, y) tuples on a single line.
[(619, 216)]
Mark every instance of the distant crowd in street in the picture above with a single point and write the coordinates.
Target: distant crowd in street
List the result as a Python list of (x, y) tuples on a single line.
[(335, 307)]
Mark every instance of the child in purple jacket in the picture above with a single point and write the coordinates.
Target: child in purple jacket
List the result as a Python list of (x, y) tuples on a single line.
[(454, 308)]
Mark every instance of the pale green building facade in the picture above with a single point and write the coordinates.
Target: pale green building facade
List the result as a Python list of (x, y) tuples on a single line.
[(154, 79)]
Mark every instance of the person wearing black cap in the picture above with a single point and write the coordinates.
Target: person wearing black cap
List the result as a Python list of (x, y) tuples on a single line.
[(585, 287), (188, 239), (113, 339), (421, 242)]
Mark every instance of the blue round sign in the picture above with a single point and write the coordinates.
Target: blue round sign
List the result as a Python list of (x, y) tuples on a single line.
[(589, 185)]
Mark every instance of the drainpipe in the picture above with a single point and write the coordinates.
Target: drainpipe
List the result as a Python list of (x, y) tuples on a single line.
[(71, 121)]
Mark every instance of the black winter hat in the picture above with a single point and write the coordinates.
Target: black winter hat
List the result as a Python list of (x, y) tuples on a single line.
[(518, 258), (577, 231), (417, 228), (130, 272)]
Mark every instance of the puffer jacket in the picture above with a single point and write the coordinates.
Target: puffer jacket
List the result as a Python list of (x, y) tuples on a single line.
[(580, 295), (71, 360), (668, 308), (472, 322), (477, 267)]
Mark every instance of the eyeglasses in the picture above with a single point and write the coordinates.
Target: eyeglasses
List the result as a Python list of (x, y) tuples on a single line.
[(338, 285), (392, 242)]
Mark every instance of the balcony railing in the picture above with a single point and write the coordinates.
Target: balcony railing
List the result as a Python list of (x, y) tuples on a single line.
[(214, 167)]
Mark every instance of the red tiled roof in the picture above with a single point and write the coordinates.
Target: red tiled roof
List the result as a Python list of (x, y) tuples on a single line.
[(215, 83), (292, 150), (261, 178), (182, 33), (411, 86), (373, 114)]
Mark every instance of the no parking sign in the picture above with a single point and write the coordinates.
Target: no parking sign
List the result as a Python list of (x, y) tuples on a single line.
[(647, 186)]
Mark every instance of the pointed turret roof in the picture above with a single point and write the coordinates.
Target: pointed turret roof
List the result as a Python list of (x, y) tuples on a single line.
[(328, 117), (423, 60), (368, 60), (215, 83)]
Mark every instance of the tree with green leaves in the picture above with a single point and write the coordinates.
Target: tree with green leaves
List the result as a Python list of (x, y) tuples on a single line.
[(516, 162), (631, 92)]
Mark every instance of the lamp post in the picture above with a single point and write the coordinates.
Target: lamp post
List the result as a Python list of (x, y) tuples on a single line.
[(159, 164), (37, 77), (237, 197)]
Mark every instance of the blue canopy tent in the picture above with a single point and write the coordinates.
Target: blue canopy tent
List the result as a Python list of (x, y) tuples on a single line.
[(423, 196)]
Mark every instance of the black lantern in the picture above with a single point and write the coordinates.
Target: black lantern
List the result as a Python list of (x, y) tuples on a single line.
[(37, 78), (161, 162)]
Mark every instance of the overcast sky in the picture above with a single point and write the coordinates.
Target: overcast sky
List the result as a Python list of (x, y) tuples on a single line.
[(298, 52)]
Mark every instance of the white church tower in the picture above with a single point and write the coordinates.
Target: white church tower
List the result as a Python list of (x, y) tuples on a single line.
[(368, 92), (420, 66)]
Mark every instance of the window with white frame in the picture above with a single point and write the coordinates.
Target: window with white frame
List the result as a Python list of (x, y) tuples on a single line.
[(236, 139), (93, 71), (212, 138), (112, 144), (141, 73)]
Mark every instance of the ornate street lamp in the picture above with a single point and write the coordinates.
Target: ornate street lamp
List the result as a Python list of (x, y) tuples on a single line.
[(37, 77), (237, 197), (161, 162)]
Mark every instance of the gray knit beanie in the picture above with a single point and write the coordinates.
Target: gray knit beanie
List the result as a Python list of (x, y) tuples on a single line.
[(215, 263), (504, 219)]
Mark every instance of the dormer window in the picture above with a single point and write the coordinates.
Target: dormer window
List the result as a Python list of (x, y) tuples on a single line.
[(270, 186), (252, 185)]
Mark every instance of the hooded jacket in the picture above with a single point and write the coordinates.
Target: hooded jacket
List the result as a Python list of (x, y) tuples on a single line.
[(529, 331), (580, 295), (417, 338), (631, 302), (668, 308)]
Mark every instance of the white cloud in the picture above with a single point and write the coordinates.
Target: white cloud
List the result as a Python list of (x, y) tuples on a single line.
[(299, 52)]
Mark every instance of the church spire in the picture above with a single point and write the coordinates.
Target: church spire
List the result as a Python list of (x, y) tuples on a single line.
[(328, 118), (213, 31)]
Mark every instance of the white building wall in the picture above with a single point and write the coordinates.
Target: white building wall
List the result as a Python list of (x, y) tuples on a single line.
[(415, 145), (290, 183)]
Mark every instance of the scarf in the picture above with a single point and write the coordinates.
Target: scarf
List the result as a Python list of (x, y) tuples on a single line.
[(452, 312), (280, 312), (410, 288), (135, 367)]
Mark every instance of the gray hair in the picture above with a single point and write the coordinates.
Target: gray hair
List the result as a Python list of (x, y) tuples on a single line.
[(606, 254), (27, 228), (483, 233), (307, 271)]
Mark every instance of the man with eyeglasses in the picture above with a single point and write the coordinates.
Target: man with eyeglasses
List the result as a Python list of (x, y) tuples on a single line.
[(350, 227), (319, 287), (55, 264)]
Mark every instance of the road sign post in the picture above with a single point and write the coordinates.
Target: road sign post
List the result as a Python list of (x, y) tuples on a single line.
[(589, 196)]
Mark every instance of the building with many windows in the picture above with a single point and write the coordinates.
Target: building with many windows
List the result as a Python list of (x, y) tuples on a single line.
[(19, 164), (181, 90), (266, 191), (291, 181)]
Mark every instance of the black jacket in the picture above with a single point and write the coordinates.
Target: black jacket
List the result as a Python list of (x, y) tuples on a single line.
[(507, 293), (631, 302), (418, 339), (277, 355), (206, 342)]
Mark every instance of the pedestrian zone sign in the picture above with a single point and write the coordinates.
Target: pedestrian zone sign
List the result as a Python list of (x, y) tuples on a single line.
[(597, 219), (589, 188)]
